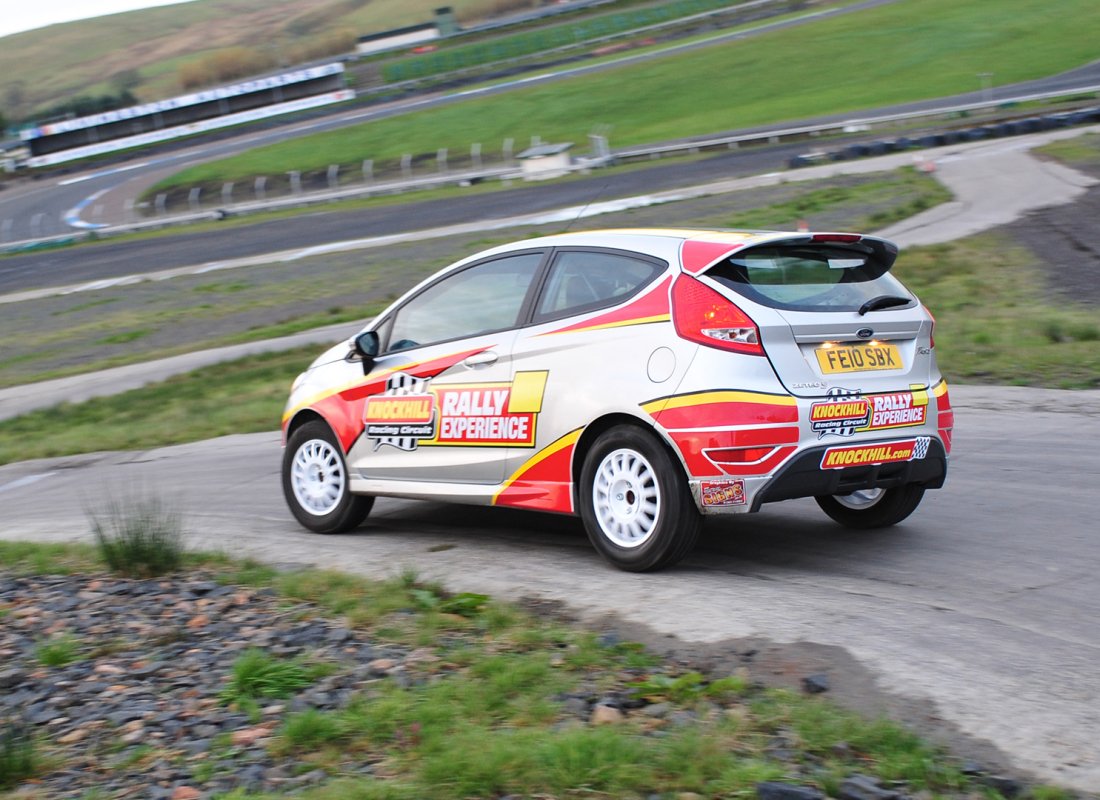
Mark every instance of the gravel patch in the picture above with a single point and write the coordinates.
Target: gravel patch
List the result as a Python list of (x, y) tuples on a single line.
[(139, 710)]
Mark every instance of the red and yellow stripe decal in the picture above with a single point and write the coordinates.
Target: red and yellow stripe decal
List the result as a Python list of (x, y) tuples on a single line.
[(343, 407), (723, 407), (700, 421), (945, 417), (653, 306), (696, 256), (545, 481)]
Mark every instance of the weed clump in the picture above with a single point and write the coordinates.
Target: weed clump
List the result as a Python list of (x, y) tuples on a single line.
[(18, 759), (141, 538)]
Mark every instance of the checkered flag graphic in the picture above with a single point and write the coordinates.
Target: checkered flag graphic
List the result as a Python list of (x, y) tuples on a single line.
[(920, 450), (836, 395), (398, 385)]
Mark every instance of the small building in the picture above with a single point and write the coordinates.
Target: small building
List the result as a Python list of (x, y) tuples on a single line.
[(443, 25), (546, 161)]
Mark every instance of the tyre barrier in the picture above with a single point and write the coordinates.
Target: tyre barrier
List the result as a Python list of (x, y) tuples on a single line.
[(1018, 127)]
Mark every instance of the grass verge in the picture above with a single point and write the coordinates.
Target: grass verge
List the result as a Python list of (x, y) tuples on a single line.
[(235, 397), (500, 701)]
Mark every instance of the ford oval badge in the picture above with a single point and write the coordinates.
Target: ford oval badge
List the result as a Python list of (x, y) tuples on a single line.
[(865, 333)]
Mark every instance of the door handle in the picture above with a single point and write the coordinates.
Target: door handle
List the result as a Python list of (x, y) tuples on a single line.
[(482, 359)]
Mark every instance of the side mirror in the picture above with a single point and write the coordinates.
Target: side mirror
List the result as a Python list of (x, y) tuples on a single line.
[(366, 345)]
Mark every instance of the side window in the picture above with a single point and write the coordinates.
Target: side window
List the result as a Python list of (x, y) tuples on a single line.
[(483, 298), (582, 281)]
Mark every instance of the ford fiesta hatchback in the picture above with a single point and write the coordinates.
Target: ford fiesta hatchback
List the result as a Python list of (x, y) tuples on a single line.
[(637, 378)]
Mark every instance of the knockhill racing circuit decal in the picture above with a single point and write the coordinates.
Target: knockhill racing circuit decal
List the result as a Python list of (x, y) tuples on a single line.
[(847, 412), (881, 453), (411, 412), (403, 414)]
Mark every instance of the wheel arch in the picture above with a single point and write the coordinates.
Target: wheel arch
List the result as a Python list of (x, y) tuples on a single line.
[(300, 418), (598, 426)]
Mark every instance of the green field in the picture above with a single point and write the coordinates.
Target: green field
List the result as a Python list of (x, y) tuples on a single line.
[(890, 54)]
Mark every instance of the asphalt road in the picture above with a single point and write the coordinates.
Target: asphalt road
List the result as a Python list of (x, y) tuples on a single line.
[(977, 617)]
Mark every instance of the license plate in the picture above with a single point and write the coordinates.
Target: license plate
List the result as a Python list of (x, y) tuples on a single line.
[(859, 358)]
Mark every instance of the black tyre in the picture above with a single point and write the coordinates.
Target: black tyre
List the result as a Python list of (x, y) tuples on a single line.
[(315, 482), (635, 503), (872, 508)]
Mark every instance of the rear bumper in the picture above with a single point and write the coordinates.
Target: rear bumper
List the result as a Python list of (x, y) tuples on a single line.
[(805, 475)]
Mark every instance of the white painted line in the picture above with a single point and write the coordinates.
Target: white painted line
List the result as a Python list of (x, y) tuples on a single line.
[(26, 480)]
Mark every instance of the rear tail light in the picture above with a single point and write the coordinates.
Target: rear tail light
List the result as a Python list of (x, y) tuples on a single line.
[(932, 331), (704, 316)]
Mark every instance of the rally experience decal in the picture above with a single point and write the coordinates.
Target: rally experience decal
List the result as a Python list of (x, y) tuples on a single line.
[(847, 412), (881, 453), (411, 412), (722, 493)]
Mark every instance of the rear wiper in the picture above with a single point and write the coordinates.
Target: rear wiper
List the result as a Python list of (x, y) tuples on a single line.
[(883, 301)]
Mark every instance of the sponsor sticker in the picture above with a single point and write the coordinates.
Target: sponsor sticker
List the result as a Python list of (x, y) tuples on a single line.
[(411, 412), (847, 412), (878, 453), (722, 493)]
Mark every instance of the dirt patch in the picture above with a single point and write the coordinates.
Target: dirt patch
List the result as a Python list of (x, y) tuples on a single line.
[(1066, 243)]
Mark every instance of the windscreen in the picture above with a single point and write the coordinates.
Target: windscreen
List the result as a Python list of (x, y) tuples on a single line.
[(811, 277)]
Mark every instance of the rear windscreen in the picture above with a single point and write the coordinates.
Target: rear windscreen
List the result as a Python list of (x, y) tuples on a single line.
[(812, 278)]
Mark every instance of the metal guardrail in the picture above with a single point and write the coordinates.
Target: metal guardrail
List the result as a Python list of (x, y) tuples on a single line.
[(510, 171)]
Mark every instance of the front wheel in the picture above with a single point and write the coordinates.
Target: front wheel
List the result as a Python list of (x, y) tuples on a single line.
[(635, 504), (315, 482), (872, 508)]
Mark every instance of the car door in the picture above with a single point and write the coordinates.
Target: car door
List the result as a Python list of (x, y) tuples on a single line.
[(442, 410), (600, 319)]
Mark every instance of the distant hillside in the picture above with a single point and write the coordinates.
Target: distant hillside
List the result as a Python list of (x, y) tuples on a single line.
[(152, 53)]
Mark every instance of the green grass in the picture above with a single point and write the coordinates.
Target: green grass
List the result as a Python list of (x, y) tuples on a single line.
[(58, 650), (1080, 151), (906, 51), (140, 537), (257, 674), (237, 397), (992, 323), (19, 757), (861, 205)]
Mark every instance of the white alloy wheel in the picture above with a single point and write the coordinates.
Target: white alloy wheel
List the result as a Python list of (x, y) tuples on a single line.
[(317, 477), (626, 498), (860, 499)]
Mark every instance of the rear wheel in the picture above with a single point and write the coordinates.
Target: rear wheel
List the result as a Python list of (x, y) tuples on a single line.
[(635, 503), (872, 508), (315, 482)]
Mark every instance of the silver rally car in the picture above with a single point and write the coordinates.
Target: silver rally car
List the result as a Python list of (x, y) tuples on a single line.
[(638, 378)]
